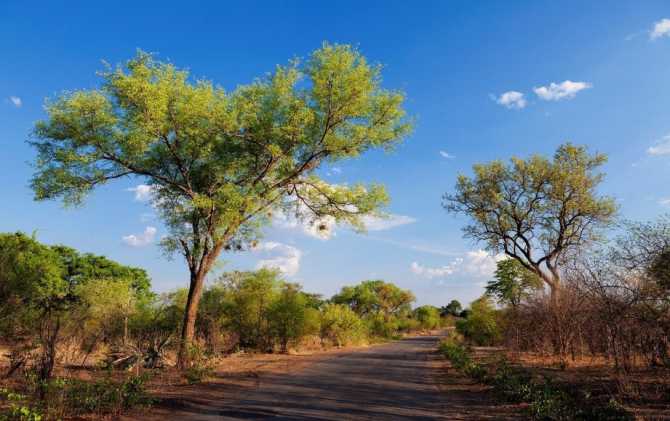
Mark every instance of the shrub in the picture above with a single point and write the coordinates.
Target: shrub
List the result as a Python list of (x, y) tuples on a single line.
[(287, 316), (428, 316), (546, 399), (18, 409), (341, 326), (200, 367), (76, 397), (481, 325)]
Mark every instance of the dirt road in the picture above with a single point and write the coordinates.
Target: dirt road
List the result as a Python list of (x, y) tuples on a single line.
[(400, 380)]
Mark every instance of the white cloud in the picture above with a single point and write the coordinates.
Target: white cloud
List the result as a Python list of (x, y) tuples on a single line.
[(447, 155), (660, 29), (286, 258), (16, 101), (558, 91), (664, 202), (512, 100), (662, 147), (435, 272), (143, 192), (477, 263), (374, 223), (141, 240)]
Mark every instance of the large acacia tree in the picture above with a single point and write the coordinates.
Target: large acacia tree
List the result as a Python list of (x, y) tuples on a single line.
[(219, 163), (535, 210)]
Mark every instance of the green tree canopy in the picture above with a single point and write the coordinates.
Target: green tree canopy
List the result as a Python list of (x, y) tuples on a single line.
[(81, 267), (535, 210), (428, 316), (454, 308), (512, 283), (43, 288), (375, 297), (220, 162)]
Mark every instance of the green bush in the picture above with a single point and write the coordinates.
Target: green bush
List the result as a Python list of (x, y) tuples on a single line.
[(341, 326), (481, 326), (428, 317), (76, 397), (546, 399), (18, 409)]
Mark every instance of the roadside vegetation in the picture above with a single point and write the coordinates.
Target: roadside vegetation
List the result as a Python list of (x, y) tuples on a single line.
[(83, 335), (580, 302)]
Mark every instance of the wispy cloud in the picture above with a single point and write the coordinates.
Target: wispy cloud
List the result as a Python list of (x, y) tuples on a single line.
[(447, 155), (283, 257), (418, 247), (143, 192), (141, 240), (434, 272), (513, 100), (662, 147), (664, 202), (477, 263), (16, 101), (374, 223), (660, 29), (559, 91)]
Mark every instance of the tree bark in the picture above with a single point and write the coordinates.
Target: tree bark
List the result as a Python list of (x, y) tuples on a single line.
[(190, 314)]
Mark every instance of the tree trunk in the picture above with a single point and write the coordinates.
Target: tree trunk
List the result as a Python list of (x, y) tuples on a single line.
[(190, 314)]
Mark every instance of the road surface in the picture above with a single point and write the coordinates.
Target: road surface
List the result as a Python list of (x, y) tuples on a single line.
[(403, 379)]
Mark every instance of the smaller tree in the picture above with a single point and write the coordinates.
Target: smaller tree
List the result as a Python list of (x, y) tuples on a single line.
[(481, 325), (249, 296), (428, 316), (378, 303), (340, 325), (454, 308), (512, 283), (536, 210), (105, 310), (287, 315)]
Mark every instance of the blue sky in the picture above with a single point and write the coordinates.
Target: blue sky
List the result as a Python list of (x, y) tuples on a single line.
[(454, 60)]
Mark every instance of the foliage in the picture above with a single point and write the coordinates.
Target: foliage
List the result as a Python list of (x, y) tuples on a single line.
[(18, 409), (247, 300), (100, 397), (513, 283), (341, 326), (380, 304), (287, 315), (428, 316), (49, 291), (219, 163), (481, 325), (83, 267), (547, 400), (454, 308), (536, 210), (200, 367)]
